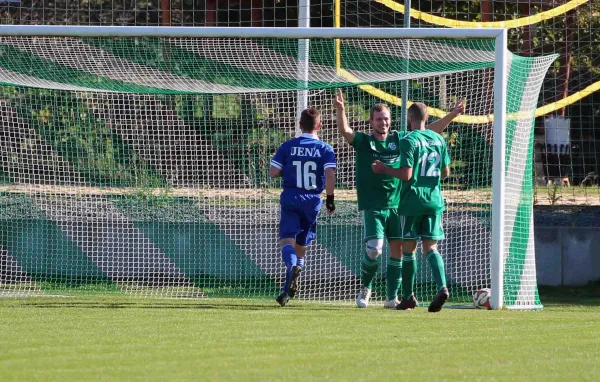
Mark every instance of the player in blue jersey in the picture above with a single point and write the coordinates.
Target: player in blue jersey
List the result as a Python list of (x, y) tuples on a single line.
[(307, 166)]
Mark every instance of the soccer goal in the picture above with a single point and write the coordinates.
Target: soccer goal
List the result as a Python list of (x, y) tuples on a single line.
[(134, 160)]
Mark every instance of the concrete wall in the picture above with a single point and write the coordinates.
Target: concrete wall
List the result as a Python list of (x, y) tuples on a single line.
[(567, 256)]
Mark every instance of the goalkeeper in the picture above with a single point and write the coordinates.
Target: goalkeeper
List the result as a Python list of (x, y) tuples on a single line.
[(379, 194), (424, 161)]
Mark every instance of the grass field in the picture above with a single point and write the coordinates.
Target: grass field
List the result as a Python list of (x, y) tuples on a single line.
[(119, 338)]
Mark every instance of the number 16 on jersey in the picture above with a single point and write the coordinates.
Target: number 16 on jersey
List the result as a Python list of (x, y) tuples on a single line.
[(306, 176)]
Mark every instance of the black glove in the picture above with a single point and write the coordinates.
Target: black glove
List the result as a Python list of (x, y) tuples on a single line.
[(329, 203)]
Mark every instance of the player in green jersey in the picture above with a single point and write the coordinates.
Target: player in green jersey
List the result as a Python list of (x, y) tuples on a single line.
[(379, 194), (424, 162)]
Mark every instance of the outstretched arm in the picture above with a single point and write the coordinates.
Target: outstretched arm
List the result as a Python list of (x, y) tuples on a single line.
[(404, 173), (441, 124), (342, 121)]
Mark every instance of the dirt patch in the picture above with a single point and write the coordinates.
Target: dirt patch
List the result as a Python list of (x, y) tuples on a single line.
[(473, 197)]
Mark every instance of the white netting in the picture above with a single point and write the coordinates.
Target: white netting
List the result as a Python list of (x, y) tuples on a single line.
[(167, 194)]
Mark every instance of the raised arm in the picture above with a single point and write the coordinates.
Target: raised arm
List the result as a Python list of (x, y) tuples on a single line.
[(441, 124), (342, 121)]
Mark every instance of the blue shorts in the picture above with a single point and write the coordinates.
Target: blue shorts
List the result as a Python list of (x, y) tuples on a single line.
[(298, 218)]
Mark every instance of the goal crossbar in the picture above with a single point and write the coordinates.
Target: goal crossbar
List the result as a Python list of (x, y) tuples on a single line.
[(243, 32)]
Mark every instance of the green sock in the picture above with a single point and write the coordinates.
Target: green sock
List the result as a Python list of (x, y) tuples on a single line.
[(437, 268), (393, 277), (409, 273), (369, 269)]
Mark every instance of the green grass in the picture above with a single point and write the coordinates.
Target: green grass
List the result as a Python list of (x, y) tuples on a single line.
[(120, 338)]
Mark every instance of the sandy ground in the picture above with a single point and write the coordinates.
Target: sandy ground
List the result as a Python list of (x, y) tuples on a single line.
[(544, 197)]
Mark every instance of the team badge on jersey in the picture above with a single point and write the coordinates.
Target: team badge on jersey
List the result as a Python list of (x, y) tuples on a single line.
[(392, 146)]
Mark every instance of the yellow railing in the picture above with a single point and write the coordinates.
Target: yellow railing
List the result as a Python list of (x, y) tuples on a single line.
[(442, 21), (516, 23), (472, 119)]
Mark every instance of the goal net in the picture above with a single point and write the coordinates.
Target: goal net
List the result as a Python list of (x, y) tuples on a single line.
[(138, 165)]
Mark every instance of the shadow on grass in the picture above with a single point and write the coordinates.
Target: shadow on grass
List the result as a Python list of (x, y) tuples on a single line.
[(586, 295), (220, 305)]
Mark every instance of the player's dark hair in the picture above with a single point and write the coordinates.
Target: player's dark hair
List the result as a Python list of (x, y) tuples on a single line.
[(418, 111), (309, 119), (378, 108)]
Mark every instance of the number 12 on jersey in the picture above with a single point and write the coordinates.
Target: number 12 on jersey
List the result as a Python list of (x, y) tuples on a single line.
[(305, 174), (433, 169)]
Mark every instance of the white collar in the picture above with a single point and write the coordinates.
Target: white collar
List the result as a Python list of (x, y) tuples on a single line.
[(309, 135)]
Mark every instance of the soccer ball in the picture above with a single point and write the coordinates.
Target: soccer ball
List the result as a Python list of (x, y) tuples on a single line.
[(481, 299)]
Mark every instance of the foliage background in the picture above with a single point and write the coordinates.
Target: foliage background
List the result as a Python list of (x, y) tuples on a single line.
[(575, 36)]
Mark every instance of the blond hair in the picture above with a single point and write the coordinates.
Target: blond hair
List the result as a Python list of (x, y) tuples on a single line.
[(378, 108)]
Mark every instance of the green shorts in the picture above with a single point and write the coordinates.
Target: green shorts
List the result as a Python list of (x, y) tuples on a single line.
[(379, 224), (425, 227)]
